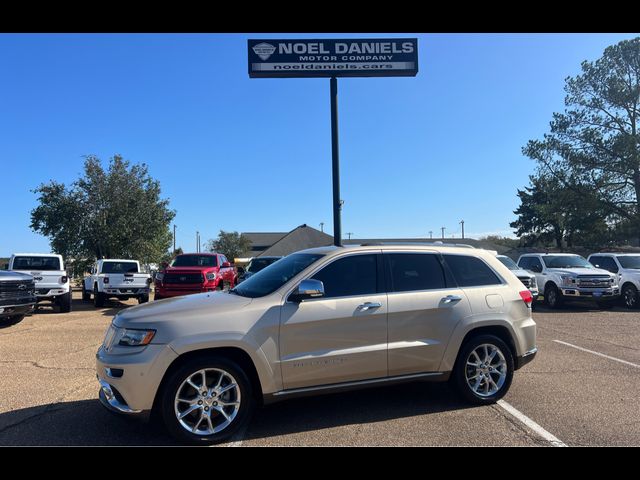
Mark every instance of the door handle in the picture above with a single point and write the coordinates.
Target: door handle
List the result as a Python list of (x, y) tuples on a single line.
[(450, 299), (369, 305)]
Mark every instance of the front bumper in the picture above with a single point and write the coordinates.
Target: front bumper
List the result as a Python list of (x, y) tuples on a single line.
[(594, 293), (139, 373), (11, 310)]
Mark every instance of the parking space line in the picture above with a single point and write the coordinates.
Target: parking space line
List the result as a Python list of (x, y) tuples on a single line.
[(598, 353), (552, 439)]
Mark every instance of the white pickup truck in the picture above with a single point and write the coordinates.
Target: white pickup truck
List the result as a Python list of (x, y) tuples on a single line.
[(564, 275), (627, 267), (116, 278), (51, 279)]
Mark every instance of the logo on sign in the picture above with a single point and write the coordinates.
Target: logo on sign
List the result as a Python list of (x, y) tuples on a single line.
[(264, 50)]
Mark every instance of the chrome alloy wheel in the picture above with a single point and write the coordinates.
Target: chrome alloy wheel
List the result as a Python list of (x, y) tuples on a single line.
[(207, 401), (486, 370)]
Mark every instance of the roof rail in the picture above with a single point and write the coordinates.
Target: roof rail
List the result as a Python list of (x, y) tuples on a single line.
[(436, 243)]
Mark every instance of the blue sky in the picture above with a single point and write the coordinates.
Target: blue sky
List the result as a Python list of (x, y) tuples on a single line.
[(234, 153)]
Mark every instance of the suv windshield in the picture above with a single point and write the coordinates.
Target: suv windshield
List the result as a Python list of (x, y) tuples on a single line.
[(194, 261), (36, 263), (258, 264), (119, 267), (565, 261), (507, 262), (631, 261), (270, 279)]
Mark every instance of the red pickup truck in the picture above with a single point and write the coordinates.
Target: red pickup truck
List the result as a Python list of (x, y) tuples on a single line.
[(194, 273)]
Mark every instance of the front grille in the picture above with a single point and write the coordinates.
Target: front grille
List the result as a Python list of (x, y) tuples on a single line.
[(594, 281), (526, 281), (183, 278), (16, 289)]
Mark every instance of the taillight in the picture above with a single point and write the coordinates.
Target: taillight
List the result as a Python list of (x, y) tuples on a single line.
[(527, 298), (106, 280), (64, 279)]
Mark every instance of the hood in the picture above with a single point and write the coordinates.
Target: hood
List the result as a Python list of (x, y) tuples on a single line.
[(522, 273), (188, 269), (180, 309), (580, 271), (11, 276)]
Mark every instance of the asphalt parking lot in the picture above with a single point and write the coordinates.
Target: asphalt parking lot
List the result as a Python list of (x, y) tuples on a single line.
[(582, 389)]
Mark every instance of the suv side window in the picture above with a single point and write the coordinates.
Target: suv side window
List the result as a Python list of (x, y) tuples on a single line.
[(352, 275), (414, 271), (471, 271)]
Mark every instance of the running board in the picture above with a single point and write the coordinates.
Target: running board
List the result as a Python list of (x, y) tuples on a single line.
[(338, 387)]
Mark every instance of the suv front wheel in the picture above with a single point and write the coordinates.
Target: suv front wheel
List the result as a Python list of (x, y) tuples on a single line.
[(206, 401), (484, 369)]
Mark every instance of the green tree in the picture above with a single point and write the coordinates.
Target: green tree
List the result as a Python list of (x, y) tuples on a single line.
[(593, 148), (116, 212), (230, 244)]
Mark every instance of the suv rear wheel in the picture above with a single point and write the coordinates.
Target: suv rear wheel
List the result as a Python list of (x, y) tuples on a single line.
[(484, 369), (206, 400), (65, 301)]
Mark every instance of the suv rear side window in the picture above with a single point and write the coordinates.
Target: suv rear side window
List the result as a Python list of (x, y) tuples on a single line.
[(353, 275), (470, 271), (414, 271)]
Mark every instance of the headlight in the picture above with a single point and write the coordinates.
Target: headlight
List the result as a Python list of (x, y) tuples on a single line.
[(129, 337), (568, 280), (211, 276)]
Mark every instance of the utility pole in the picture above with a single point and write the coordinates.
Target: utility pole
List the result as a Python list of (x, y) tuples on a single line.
[(443, 229), (431, 234), (335, 163), (462, 223), (197, 242), (174, 238), (349, 233), (322, 227)]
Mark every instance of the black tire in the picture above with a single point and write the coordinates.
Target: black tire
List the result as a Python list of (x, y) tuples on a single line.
[(157, 297), (65, 302), (552, 296), (177, 378), (98, 298), (630, 297), (221, 285), (461, 370), (86, 296), (143, 298), (8, 321)]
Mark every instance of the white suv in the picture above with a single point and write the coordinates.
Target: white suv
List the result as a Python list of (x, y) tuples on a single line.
[(566, 275), (51, 279), (627, 267)]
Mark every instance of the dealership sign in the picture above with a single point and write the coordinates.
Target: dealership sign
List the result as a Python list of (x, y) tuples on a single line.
[(395, 57)]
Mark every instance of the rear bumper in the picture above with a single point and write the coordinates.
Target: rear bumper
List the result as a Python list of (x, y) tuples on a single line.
[(527, 357), (125, 291)]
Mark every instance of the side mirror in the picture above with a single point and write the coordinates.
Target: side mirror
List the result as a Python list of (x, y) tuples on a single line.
[(307, 289), (226, 264)]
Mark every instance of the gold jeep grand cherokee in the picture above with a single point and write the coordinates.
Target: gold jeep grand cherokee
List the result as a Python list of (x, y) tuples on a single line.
[(318, 321)]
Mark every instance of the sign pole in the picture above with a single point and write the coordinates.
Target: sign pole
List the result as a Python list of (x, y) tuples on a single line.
[(335, 163)]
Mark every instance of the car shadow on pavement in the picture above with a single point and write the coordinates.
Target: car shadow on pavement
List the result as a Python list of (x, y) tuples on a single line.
[(86, 422), (578, 307), (365, 406), (78, 305)]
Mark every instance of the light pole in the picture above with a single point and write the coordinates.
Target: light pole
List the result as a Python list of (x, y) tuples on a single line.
[(322, 227), (349, 233), (431, 234), (174, 239), (443, 229), (197, 242), (462, 223)]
